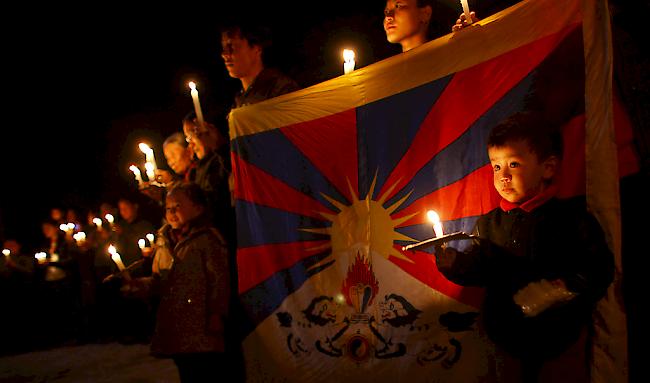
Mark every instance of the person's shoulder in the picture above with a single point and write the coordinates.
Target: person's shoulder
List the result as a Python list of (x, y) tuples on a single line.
[(281, 83)]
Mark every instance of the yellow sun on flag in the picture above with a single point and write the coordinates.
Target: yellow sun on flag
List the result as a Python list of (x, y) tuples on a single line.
[(365, 224)]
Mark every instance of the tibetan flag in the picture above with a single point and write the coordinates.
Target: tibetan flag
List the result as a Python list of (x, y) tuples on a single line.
[(333, 180)]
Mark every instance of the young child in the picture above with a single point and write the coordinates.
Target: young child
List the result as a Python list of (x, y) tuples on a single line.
[(191, 277), (543, 261)]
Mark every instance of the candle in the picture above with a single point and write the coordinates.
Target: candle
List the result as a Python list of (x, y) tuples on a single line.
[(97, 222), (465, 6), (6, 252), (80, 237), (118, 261), (109, 219), (115, 256), (151, 174), (150, 237), (137, 174), (149, 158), (141, 243), (40, 257), (197, 104), (435, 220), (348, 57)]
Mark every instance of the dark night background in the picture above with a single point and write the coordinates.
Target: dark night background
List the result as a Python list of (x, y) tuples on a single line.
[(85, 84)]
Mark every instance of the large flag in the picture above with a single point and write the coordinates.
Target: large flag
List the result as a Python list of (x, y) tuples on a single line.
[(333, 180)]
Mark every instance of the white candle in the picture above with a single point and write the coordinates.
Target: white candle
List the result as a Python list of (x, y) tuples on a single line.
[(435, 220), (465, 6), (110, 219), (97, 222), (141, 243), (149, 157), (40, 257), (118, 261), (151, 174), (348, 57), (137, 174), (80, 237), (150, 237), (197, 104)]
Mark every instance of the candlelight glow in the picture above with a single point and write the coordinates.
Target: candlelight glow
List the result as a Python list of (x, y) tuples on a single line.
[(150, 172), (109, 218), (63, 227), (348, 57), (192, 85), (80, 236), (97, 222), (111, 250), (150, 237), (40, 256), (435, 220), (141, 243), (70, 226), (118, 260), (6, 252), (144, 148)]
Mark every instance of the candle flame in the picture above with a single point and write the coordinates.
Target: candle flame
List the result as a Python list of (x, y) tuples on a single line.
[(6, 252), (109, 218), (348, 55), (150, 237), (112, 250), (144, 148), (141, 243), (63, 227), (134, 169), (433, 216), (116, 257), (97, 221), (40, 256), (192, 85)]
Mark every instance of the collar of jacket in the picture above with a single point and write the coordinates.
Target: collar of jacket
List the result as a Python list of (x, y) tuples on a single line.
[(532, 203)]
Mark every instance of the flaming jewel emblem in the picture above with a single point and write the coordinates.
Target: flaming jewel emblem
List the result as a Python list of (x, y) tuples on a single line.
[(360, 286)]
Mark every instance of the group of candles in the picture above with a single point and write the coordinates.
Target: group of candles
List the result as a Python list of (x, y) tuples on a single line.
[(142, 244), (149, 166)]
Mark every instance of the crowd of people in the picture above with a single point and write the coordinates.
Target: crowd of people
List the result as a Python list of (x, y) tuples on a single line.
[(170, 279)]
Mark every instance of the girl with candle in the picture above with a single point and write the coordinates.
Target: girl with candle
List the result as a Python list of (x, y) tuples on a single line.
[(190, 274)]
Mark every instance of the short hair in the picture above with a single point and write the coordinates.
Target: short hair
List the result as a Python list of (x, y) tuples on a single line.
[(192, 191), (176, 138), (543, 138), (254, 33)]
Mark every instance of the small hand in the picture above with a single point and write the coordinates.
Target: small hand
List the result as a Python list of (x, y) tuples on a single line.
[(461, 22)]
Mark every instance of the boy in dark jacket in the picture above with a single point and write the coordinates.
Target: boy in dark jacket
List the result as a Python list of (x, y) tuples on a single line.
[(543, 261)]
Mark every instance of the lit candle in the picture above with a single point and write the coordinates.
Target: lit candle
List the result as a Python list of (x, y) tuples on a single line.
[(465, 6), (137, 174), (141, 243), (110, 219), (80, 237), (435, 220), (197, 104), (71, 227), (150, 237), (63, 227), (348, 57), (98, 222), (40, 257), (149, 157), (151, 174), (6, 253), (115, 256)]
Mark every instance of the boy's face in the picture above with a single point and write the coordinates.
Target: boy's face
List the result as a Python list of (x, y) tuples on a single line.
[(180, 210), (239, 57), (518, 173), (403, 19)]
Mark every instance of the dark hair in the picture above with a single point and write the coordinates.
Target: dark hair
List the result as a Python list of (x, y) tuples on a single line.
[(192, 191), (254, 33), (543, 138)]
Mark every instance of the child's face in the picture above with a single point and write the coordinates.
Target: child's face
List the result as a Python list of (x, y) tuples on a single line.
[(180, 210), (518, 173)]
